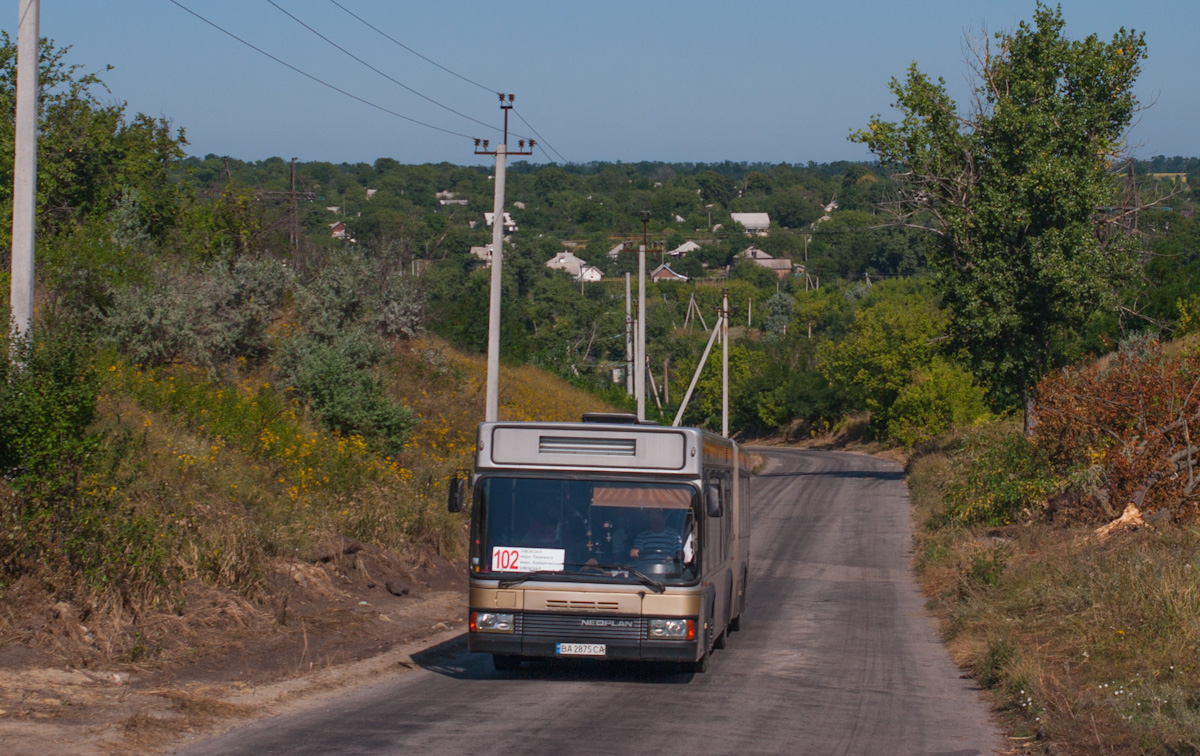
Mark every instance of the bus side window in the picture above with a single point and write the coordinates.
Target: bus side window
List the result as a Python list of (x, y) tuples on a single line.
[(712, 527), (744, 518), (719, 528), (727, 520)]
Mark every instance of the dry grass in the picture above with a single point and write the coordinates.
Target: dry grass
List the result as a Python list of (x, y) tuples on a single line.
[(226, 511), (1089, 644)]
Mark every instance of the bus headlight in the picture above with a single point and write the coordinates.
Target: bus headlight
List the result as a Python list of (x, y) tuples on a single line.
[(680, 629), (491, 622)]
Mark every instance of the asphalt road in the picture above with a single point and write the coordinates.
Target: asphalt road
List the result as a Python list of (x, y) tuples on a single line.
[(835, 656)]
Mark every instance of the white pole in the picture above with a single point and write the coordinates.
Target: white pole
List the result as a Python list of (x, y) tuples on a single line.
[(725, 363), (628, 337), (492, 409), (653, 388), (639, 386), (687, 397), (25, 169)]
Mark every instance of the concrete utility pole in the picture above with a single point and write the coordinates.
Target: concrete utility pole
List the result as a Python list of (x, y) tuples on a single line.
[(295, 226), (25, 169), (628, 338), (492, 407), (725, 363), (640, 376)]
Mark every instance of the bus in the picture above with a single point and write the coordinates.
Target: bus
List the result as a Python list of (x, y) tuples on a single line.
[(605, 539)]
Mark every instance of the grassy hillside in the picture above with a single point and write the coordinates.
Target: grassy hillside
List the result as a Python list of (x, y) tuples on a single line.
[(1084, 640), (197, 484)]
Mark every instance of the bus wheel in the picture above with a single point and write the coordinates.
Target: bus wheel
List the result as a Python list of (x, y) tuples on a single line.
[(506, 662), (735, 624), (720, 641)]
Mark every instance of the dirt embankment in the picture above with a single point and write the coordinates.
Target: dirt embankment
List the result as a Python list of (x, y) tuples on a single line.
[(349, 614)]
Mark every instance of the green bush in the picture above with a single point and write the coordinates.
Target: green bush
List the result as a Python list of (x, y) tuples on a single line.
[(328, 361), (203, 319), (62, 515), (938, 396), (48, 392), (345, 396), (1004, 478)]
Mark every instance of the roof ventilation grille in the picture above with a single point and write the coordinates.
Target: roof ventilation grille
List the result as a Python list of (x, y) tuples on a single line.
[(616, 447)]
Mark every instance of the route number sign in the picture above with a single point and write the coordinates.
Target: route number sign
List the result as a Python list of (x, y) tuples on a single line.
[(523, 559)]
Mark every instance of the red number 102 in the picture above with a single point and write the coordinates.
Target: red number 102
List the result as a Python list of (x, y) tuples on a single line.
[(507, 559)]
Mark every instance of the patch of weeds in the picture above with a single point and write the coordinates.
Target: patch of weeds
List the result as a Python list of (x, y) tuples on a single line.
[(141, 649), (987, 569), (1001, 654)]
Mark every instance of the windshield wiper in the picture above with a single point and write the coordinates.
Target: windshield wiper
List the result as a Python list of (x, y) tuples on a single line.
[(643, 578), (521, 578)]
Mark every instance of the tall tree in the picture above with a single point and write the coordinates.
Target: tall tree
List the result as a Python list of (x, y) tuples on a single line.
[(90, 153), (1015, 187)]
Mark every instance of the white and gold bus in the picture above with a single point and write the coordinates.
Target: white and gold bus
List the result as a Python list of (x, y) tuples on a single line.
[(605, 539)]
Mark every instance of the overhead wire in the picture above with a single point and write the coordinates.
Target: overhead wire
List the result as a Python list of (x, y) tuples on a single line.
[(320, 81), (395, 81), (395, 41), (543, 143)]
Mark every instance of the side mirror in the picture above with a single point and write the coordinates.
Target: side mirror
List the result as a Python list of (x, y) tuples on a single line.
[(457, 494), (712, 500)]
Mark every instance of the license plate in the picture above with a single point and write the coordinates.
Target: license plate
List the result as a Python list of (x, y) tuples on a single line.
[(580, 649)]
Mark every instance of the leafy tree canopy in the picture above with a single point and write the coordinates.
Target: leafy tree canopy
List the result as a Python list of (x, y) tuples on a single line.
[(89, 154), (1013, 188)]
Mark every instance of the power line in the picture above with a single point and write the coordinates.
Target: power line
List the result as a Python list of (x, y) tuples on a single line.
[(376, 70), (395, 41), (539, 136), (314, 78), (433, 62)]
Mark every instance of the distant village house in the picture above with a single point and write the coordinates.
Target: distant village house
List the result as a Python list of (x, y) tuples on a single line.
[(577, 268), (664, 273), (509, 225), (683, 249), (781, 267), (756, 224)]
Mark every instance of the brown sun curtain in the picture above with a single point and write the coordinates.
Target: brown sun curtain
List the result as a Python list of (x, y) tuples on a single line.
[(662, 497)]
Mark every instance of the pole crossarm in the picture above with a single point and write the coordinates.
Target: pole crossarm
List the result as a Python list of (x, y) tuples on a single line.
[(481, 145)]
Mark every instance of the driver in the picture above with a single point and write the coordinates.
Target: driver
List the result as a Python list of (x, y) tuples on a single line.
[(657, 537)]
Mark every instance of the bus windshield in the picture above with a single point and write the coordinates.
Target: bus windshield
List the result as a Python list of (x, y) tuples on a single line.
[(589, 529)]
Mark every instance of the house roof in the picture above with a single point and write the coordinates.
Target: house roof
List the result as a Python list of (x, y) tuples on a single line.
[(508, 221), (775, 264), (483, 253), (664, 272), (576, 267), (683, 249), (753, 221), (754, 253)]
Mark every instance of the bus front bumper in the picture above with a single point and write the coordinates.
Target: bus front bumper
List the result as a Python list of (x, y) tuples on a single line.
[(633, 649)]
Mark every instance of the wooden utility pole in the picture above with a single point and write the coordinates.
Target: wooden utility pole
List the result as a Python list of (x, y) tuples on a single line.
[(492, 406), (24, 219), (292, 219)]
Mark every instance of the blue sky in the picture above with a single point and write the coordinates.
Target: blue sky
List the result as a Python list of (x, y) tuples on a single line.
[(702, 81)]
